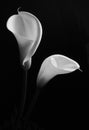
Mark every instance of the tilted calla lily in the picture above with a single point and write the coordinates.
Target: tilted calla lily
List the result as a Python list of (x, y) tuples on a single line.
[(56, 65), (27, 30)]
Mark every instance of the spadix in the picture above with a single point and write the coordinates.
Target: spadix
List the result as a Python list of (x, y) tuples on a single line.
[(27, 30), (55, 65)]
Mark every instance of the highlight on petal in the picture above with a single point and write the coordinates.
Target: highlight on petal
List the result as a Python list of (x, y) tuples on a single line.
[(27, 30), (55, 65)]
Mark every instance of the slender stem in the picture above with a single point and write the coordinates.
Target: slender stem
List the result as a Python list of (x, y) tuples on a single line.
[(23, 99), (32, 104), (23, 95)]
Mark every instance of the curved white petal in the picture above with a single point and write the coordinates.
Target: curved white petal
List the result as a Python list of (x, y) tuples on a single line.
[(55, 65), (27, 29)]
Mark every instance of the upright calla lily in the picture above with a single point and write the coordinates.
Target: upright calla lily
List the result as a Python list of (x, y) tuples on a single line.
[(27, 30)]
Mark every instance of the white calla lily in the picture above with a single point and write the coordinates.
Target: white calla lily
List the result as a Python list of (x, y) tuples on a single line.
[(56, 65), (27, 30)]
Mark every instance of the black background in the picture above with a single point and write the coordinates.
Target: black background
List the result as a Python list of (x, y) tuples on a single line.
[(65, 31)]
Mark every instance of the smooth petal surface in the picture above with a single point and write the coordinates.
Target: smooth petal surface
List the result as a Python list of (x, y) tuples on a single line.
[(27, 29), (55, 65)]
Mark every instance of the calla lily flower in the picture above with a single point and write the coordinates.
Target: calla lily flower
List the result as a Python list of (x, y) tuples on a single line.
[(56, 65), (27, 30)]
